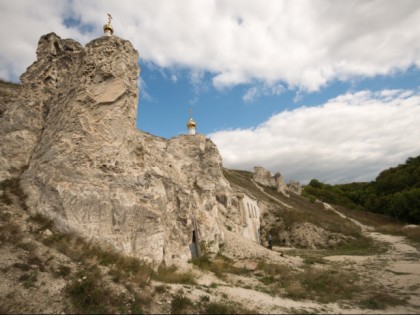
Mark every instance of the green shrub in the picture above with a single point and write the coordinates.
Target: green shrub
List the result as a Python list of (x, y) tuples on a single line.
[(218, 308), (225, 308), (161, 288), (22, 266), (181, 304), (11, 187), (35, 260), (29, 279), (42, 220), (116, 274), (10, 232), (204, 298), (5, 216), (63, 271), (88, 293), (380, 300), (28, 246)]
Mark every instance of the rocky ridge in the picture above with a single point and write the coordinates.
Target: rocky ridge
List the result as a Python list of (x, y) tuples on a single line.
[(264, 177), (70, 135), (70, 138)]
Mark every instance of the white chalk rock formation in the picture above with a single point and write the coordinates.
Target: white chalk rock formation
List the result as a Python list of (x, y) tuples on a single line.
[(295, 187), (71, 131), (264, 177)]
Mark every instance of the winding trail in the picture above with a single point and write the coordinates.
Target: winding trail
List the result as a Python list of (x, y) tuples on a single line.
[(397, 270), (271, 197)]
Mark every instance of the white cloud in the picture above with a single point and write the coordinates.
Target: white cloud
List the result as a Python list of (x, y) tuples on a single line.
[(251, 94), (304, 43), (144, 90), (350, 138), (255, 92)]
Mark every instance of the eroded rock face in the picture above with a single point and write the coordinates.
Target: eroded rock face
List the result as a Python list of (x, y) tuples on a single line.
[(24, 113), (308, 235), (281, 185), (91, 170), (264, 177), (295, 187)]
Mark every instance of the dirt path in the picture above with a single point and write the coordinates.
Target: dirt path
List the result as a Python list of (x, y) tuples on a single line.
[(271, 197), (396, 271)]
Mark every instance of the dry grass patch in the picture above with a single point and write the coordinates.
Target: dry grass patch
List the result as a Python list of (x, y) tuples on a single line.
[(315, 213), (322, 285), (220, 265), (89, 293), (171, 275), (243, 179), (328, 285), (183, 305), (412, 233), (366, 217)]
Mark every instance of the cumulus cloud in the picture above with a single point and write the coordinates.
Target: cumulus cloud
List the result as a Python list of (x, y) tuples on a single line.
[(349, 138), (302, 43)]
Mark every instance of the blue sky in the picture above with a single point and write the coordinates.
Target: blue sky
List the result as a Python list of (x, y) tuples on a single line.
[(170, 93), (310, 88)]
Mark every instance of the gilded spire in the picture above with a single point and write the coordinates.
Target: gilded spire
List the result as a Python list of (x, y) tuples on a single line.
[(108, 29), (191, 124)]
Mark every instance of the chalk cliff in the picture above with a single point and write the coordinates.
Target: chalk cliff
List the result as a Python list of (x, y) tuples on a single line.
[(69, 133)]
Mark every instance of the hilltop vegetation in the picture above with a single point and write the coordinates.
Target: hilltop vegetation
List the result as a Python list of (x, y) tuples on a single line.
[(395, 192)]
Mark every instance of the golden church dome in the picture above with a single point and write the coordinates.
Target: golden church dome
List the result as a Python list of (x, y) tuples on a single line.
[(191, 123), (108, 29)]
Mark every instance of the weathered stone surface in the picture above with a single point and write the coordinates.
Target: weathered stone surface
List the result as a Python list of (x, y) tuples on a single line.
[(308, 235), (249, 265), (295, 187), (250, 216), (281, 185), (93, 172), (263, 177), (23, 113)]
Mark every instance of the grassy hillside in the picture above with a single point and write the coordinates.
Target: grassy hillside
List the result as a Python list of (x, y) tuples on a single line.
[(287, 211), (395, 192), (46, 270)]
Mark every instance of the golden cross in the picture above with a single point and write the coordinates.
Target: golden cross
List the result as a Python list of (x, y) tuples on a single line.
[(109, 18), (190, 113)]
